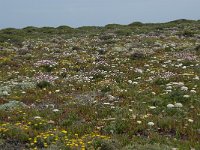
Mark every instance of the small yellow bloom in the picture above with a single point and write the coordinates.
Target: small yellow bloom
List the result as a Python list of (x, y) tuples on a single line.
[(64, 131), (89, 142)]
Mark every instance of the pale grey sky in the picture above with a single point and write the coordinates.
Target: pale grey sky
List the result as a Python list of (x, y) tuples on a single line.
[(75, 13)]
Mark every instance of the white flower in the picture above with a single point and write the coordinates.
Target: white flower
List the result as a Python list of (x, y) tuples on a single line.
[(180, 83), (178, 105), (168, 61), (190, 120), (5, 93), (184, 67), (37, 117), (179, 59), (150, 123), (168, 91), (56, 110), (130, 81), (139, 122), (192, 91), (146, 65), (112, 107), (152, 107), (135, 82), (130, 110), (186, 96), (106, 103), (169, 87), (138, 70), (57, 91), (196, 78), (184, 88), (170, 106)]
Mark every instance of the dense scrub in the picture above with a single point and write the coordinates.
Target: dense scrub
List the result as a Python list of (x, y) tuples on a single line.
[(125, 87)]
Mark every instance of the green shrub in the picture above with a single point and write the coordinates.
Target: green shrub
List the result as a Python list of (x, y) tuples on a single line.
[(15, 133), (43, 84), (136, 24), (188, 33), (101, 144), (118, 126), (123, 32), (147, 147)]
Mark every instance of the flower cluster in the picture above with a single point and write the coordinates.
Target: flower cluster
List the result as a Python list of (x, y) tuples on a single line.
[(45, 77), (49, 63), (185, 56)]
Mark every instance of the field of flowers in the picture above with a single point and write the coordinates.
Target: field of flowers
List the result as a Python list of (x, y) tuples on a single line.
[(118, 87)]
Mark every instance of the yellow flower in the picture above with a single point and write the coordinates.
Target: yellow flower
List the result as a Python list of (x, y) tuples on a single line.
[(64, 131), (89, 142)]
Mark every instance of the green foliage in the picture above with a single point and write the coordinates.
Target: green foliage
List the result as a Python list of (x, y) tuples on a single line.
[(113, 26), (136, 24), (43, 84), (16, 133), (160, 81), (147, 147), (188, 33), (177, 96), (123, 32), (101, 144), (106, 89), (30, 29), (69, 120)]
